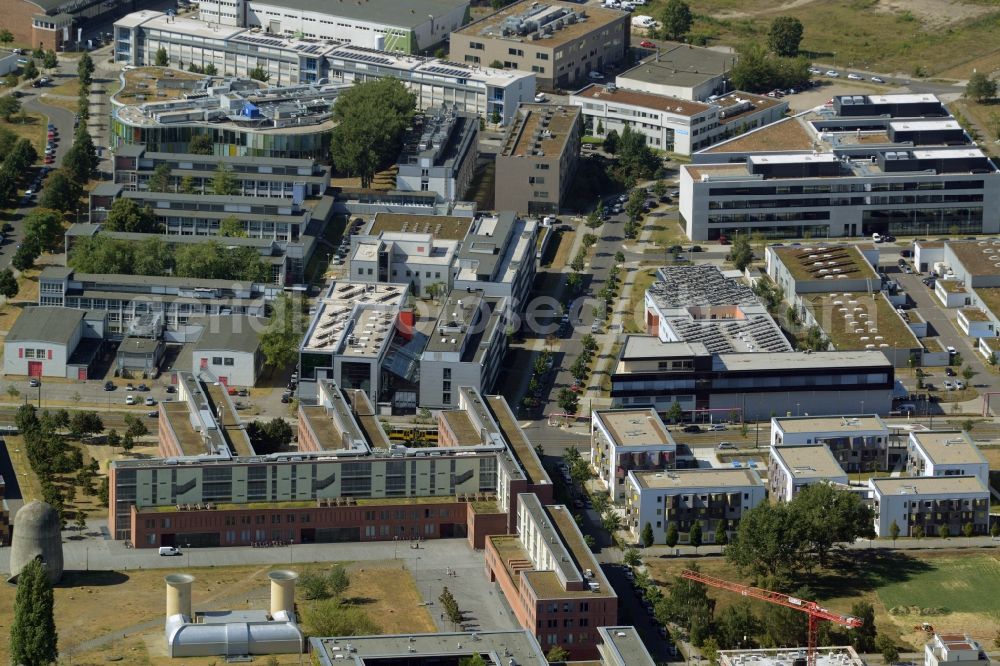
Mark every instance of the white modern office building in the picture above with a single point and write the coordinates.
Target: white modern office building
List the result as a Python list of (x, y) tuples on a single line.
[(937, 505), (237, 51), (888, 164), (625, 439), (674, 124), (375, 24), (791, 468), (714, 497), (439, 154), (945, 454)]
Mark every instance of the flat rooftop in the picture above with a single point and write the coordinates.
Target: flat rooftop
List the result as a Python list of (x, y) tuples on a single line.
[(948, 448), (682, 65), (825, 656), (492, 25), (378, 11), (990, 298), (518, 441), (635, 427), (190, 440), (788, 134), (540, 127), (687, 479), (978, 257), (625, 646), (861, 321), (698, 284), (832, 424), (809, 462), (930, 485), (645, 347), (465, 320), (974, 314), (228, 421), (822, 360), (356, 318), (818, 262), (443, 227), (465, 431), (320, 423), (735, 106), (519, 647), (145, 82), (674, 105)]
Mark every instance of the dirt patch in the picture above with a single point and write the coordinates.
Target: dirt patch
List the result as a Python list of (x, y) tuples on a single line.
[(782, 7), (934, 13)]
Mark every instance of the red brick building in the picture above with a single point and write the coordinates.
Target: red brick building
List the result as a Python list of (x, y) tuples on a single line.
[(51, 23), (551, 579)]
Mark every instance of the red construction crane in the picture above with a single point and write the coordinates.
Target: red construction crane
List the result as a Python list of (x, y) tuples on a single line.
[(811, 608)]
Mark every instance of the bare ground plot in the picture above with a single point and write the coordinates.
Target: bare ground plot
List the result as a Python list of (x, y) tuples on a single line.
[(940, 37), (115, 606)]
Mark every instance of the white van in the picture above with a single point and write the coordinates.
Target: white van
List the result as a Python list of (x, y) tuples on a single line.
[(169, 550)]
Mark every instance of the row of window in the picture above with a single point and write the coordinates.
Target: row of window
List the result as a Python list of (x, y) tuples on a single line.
[(893, 186)]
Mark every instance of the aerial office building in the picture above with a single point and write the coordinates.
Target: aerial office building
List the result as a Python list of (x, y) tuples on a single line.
[(560, 42), (289, 61), (439, 154), (374, 24), (866, 164)]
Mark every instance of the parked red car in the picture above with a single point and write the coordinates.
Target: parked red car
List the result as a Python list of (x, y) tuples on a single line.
[(646, 44)]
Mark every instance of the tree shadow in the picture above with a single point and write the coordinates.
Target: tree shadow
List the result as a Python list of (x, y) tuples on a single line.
[(853, 572), (358, 601), (76, 578)]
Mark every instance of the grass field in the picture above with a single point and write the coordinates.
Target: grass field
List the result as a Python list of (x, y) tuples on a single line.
[(965, 584), (940, 37), (115, 606), (31, 126)]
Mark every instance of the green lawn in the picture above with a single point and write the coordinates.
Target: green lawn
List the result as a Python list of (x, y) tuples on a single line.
[(967, 584)]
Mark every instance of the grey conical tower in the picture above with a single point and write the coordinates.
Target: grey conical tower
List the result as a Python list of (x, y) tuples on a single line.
[(37, 534)]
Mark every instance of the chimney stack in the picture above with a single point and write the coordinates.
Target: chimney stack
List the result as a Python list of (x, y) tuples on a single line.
[(179, 594), (282, 591)]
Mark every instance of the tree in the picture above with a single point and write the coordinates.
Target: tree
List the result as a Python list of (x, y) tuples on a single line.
[(673, 535), (631, 558), (556, 654), (888, 649), (863, 638), (329, 617), (128, 443), (8, 283), (134, 426), (30, 70), (210, 69), (113, 439), (128, 215), (675, 413), (721, 532), (785, 36), (10, 80), (231, 227), (85, 423), (80, 160), (980, 87), (476, 659), (917, 531), (826, 516), (675, 20), (201, 144), (611, 142), (736, 625), (102, 491), (759, 70), (741, 253), (33, 636), (372, 117), (161, 58), (60, 193), (280, 341), (694, 536), (787, 626), (968, 373), (81, 521), (85, 70), (647, 535), (26, 418), (943, 531), (223, 182), (258, 73), (270, 436), (567, 401), (969, 530), (688, 605), (24, 256), (187, 185), (636, 159), (894, 532), (50, 60), (43, 226), (160, 180), (633, 207), (6, 36), (9, 106)]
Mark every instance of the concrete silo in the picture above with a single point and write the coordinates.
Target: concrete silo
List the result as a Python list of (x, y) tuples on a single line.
[(37, 535)]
